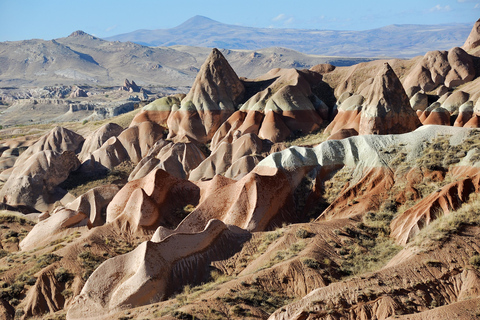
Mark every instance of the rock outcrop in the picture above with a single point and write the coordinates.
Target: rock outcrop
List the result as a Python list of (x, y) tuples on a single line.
[(246, 151), (472, 43), (58, 139), (130, 86), (132, 144), (450, 68), (214, 96), (159, 110), (155, 270), (97, 138), (178, 159), (385, 109), (78, 93), (33, 183)]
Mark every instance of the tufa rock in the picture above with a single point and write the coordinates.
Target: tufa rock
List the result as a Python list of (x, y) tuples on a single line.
[(386, 109)]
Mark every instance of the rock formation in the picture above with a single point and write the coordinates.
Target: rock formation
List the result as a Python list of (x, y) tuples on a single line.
[(130, 86), (58, 139), (132, 144), (473, 41), (33, 183), (178, 159), (214, 96), (437, 68), (153, 271), (97, 138), (385, 109), (78, 93), (246, 151), (158, 110)]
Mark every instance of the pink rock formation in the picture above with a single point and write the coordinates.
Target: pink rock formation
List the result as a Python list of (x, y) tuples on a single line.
[(146, 203), (386, 109), (223, 157), (60, 220), (93, 204), (97, 138), (449, 198), (288, 105), (132, 144), (215, 94), (155, 270), (159, 110), (178, 159)]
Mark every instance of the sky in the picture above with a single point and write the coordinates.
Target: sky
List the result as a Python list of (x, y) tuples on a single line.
[(51, 19)]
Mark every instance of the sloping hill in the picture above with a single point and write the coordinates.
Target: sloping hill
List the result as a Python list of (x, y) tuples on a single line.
[(84, 59)]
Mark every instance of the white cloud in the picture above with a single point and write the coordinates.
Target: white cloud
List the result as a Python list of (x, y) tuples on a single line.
[(477, 6), (281, 16), (440, 8), (111, 28)]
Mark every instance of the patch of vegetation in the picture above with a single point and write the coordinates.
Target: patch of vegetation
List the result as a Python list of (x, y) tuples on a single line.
[(306, 140), (312, 263), (475, 261), (120, 245), (78, 183), (185, 211), (189, 293), (303, 234), (10, 217), (283, 255), (370, 247), (183, 316), (63, 275), (89, 262), (440, 229), (334, 185), (258, 297), (439, 153)]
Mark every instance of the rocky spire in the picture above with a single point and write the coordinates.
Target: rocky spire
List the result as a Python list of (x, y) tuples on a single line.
[(386, 109)]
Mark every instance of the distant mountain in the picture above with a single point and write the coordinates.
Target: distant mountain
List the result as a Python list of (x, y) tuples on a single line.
[(84, 59), (401, 41)]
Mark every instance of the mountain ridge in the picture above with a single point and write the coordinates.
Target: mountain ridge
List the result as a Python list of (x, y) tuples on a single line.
[(400, 41)]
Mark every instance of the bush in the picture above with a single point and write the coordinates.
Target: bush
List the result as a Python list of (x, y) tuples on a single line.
[(311, 263), (303, 234), (475, 261), (62, 275)]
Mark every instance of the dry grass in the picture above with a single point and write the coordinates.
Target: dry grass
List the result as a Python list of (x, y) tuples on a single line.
[(334, 185), (439, 230), (308, 140), (79, 183)]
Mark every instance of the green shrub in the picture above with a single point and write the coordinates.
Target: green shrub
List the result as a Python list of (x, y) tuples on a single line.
[(311, 263), (475, 261), (63, 275)]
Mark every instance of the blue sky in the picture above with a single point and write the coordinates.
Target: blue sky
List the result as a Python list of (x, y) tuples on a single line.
[(50, 19)]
